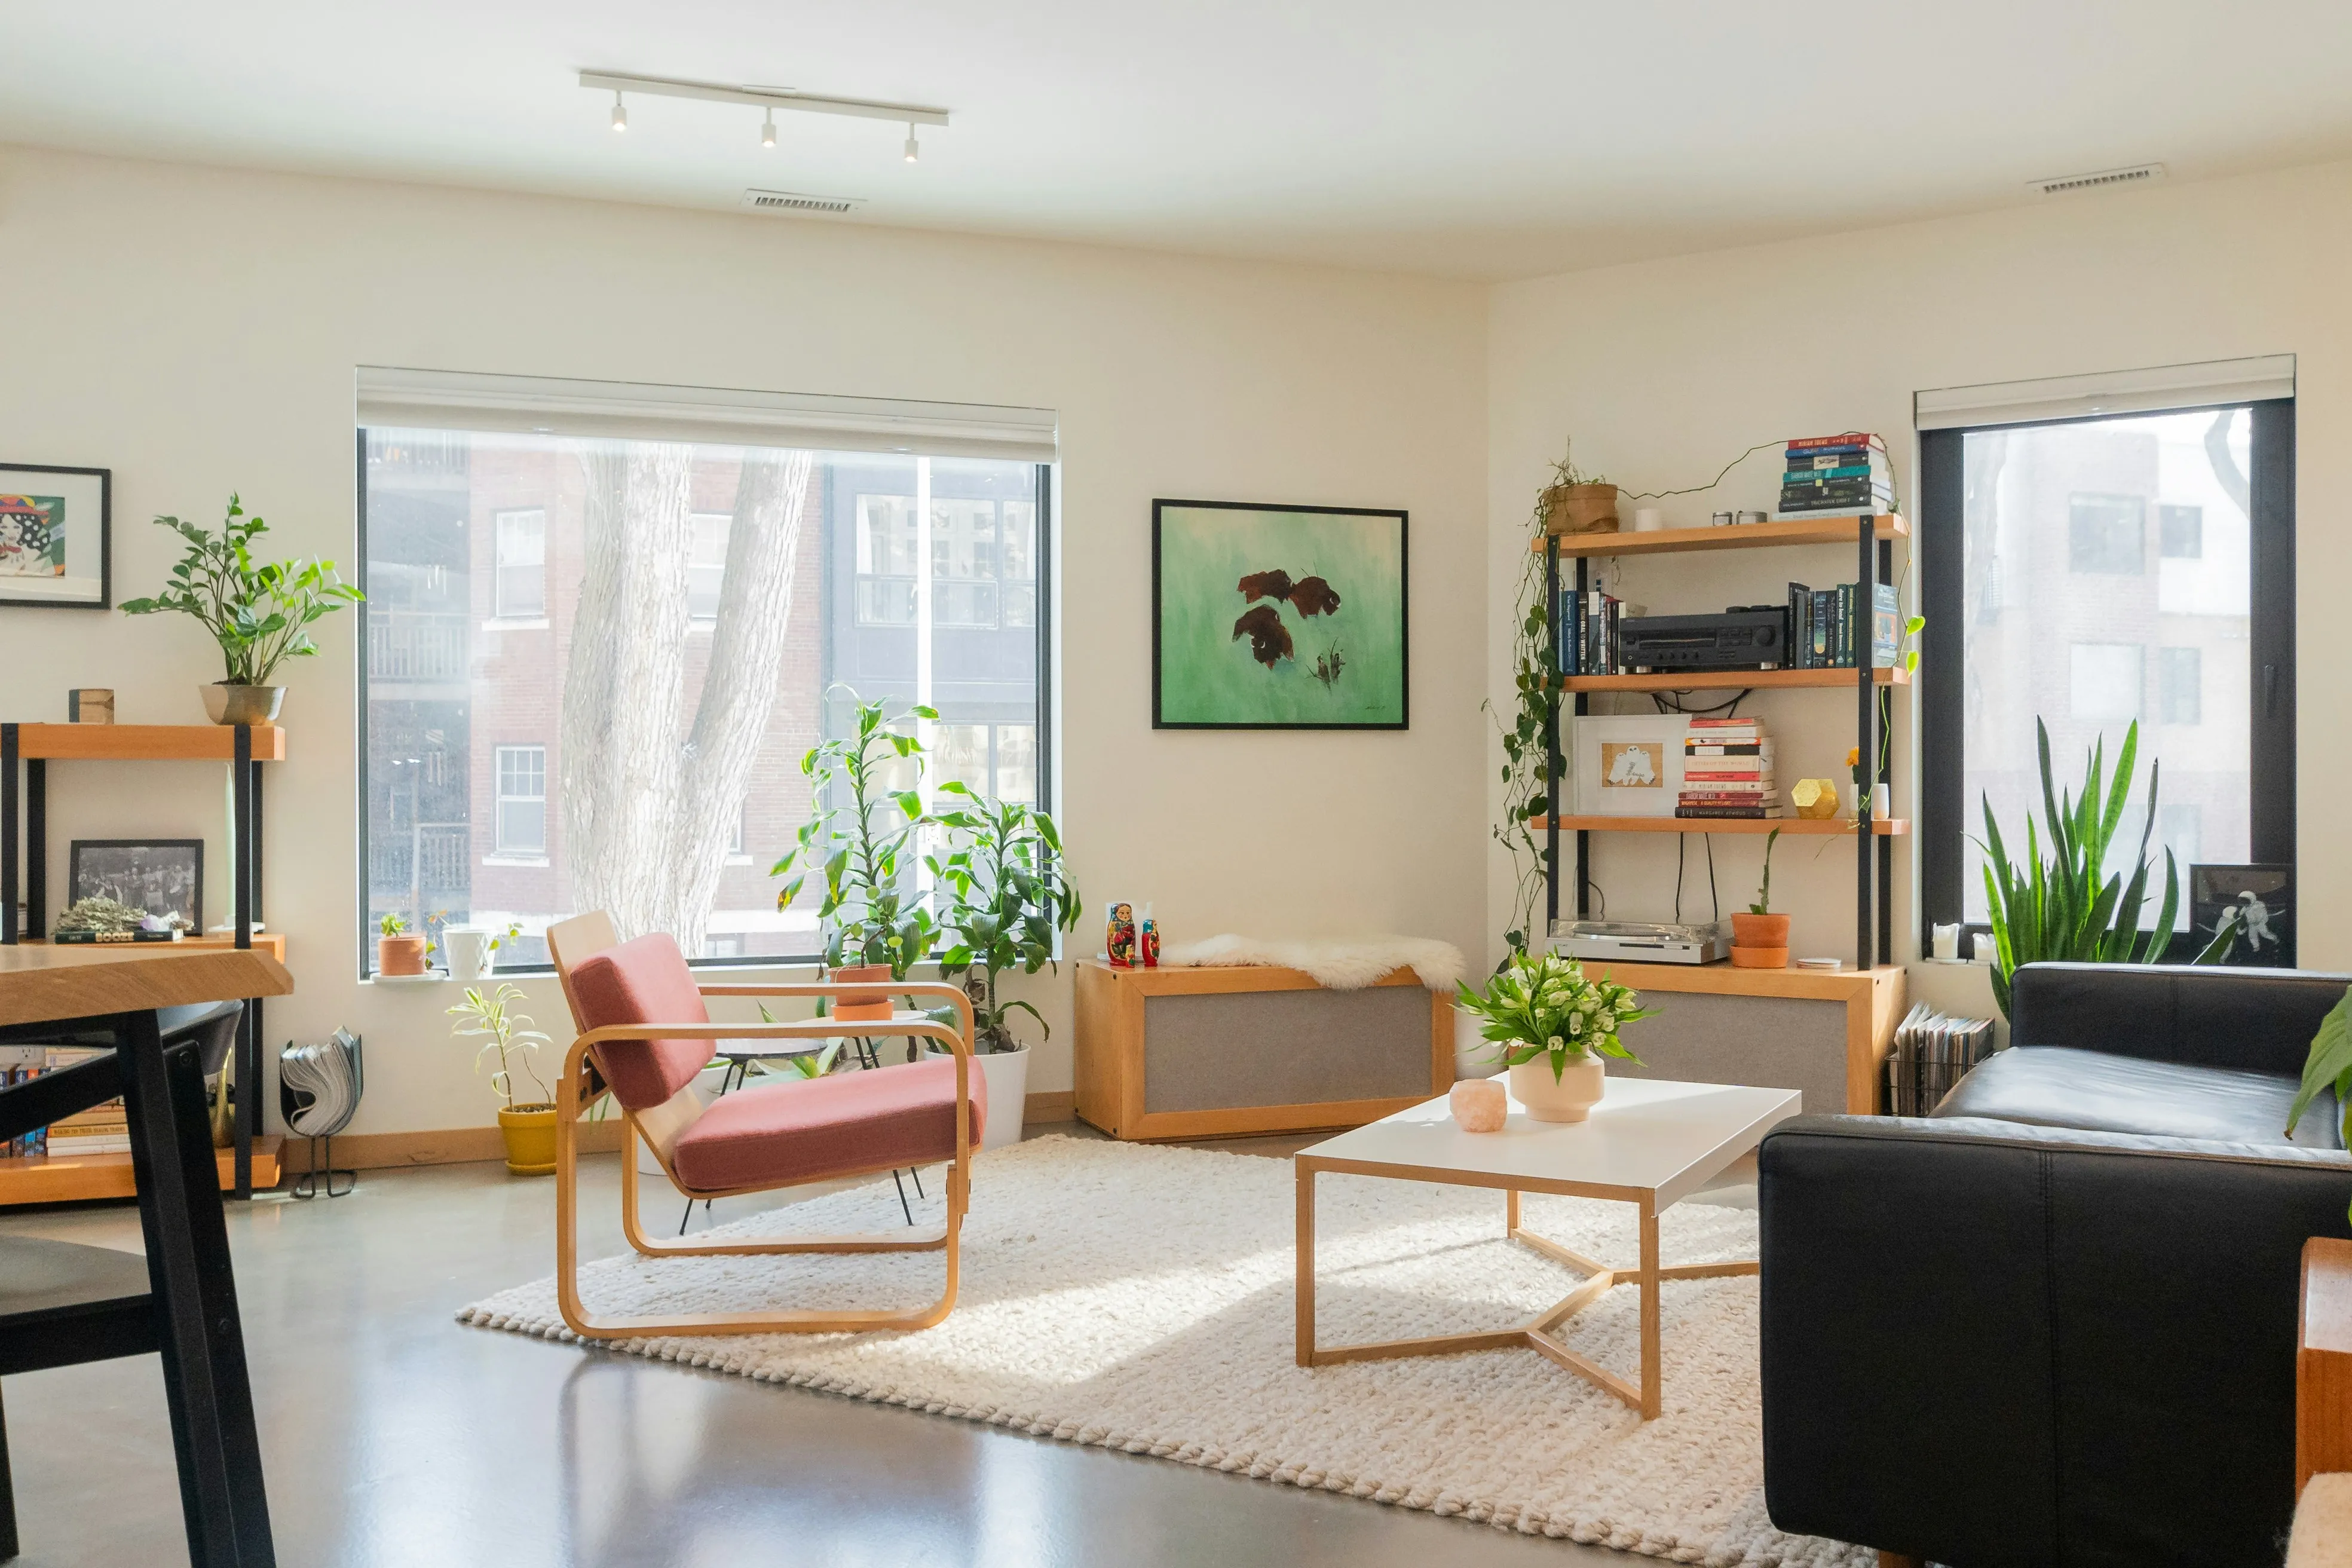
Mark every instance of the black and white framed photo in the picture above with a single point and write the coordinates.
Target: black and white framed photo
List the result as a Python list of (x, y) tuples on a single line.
[(2258, 901), (160, 876), (56, 547)]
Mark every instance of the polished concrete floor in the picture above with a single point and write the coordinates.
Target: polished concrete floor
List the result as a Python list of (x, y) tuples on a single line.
[(394, 1437)]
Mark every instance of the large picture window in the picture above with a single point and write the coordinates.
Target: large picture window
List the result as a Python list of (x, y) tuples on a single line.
[(593, 663), (2092, 573)]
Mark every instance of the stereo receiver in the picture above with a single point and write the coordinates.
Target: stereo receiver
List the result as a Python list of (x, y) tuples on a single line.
[(1735, 639)]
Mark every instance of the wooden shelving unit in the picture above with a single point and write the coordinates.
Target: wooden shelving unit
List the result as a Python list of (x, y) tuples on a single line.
[(272, 942), (78, 1178), (1873, 537), (1885, 528), (1790, 826), (29, 749)]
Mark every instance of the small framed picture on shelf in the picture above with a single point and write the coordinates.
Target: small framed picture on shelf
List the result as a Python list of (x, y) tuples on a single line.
[(1628, 766), (2258, 902), (54, 544), (164, 877)]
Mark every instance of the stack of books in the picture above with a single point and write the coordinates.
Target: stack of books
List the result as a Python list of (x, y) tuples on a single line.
[(1727, 770), (101, 1130), (1931, 1053), (1588, 631), (1833, 475), (1825, 625)]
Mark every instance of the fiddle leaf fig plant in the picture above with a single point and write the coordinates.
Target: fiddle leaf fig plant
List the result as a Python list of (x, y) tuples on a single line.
[(1006, 897), (857, 839), (259, 612)]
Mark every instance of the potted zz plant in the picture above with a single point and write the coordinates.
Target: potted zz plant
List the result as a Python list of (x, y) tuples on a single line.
[(259, 613), (1551, 1025), (1759, 938), (528, 1129), (1006, 897), (858, 838)]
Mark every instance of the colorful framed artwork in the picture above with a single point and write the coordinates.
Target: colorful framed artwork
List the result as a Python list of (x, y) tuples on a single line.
[(1628, 765), (160, 876), (56, 540), (1279, 617)]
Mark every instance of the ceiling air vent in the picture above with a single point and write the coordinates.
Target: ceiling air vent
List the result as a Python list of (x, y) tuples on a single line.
[(799, 201), (2104, 180)]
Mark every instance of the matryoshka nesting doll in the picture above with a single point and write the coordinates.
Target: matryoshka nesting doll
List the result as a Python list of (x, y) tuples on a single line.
[(1119, 941)]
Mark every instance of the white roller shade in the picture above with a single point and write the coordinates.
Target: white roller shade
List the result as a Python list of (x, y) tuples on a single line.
[(456, 400), (2115, 391)]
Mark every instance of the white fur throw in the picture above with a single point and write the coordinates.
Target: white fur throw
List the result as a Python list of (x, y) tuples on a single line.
[(1340, 966)]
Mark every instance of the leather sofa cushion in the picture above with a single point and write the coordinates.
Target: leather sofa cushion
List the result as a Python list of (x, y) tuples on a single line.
[(843, 1123), (2215, 1015), (2058, 1086)]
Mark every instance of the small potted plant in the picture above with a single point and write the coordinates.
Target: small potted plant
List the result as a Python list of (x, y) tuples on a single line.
[(258, 612), (1006, 897), (1759, 938), (875, 931), (474, 949), (528, 1129), (399, 950), (1551, 1025), (1579, 502)]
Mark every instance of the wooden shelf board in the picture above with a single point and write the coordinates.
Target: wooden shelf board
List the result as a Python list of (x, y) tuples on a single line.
[(40, 1179), (1739, 536), (272, 942), (146, 742), (1793, 827), (1724, 978), (1735, 679)]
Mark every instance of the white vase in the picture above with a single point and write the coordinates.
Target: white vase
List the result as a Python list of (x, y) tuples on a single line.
[(1568, 1098), (1006, 1073), (471, 957)]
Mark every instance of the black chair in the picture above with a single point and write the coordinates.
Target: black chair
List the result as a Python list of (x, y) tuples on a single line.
[(62, 1304)]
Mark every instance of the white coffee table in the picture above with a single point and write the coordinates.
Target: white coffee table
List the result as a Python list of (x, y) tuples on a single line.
[(1648, 1142)]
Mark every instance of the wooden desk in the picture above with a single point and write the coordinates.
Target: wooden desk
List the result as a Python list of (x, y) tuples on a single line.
[(190, 1279)]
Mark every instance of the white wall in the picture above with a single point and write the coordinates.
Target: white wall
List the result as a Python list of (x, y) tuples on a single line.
[(1664, 371), (195, 330)]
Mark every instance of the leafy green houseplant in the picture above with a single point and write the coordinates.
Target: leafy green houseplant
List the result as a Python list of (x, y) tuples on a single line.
[(259, 612), (858, 838), (2062, 904), (1550, 1023), (527, 1127), (1006, 897), (1759, 938), (398, 950), (2330, 1066)]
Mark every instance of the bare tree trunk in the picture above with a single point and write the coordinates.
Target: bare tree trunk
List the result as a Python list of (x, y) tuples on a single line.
[(649, 806)]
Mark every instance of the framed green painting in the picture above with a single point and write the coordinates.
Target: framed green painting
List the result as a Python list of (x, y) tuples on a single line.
[(1277, 617)]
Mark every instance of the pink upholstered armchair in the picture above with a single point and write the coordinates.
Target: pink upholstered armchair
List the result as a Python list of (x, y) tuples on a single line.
[(645, 1034)]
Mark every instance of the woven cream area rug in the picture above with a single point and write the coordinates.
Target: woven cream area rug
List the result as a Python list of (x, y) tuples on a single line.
[(1141, 1299)]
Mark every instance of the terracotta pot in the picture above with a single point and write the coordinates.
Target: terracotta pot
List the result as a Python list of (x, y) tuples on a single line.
[(529, 1135), (1759, 958), (227, 704), (1760, 931), (1568, 1098), (400, 954), (1581, 509), (861, 1006)]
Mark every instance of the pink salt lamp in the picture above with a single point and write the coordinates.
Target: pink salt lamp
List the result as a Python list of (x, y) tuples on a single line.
[(1479, 1104)]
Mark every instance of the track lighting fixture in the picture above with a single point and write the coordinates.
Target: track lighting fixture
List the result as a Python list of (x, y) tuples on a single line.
[(912, 151), (768, 130), (620, 115), (768, 99)]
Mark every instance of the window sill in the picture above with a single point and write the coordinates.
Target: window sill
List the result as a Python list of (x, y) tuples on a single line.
[(514, 860), (516, 624)]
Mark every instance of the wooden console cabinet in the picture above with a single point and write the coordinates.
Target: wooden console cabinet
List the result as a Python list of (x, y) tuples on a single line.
[(1215, 1053)]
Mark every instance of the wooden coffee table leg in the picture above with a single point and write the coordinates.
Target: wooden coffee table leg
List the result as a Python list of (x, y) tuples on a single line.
[(1511, 1212), (1653, 1370), (1305, 1292)]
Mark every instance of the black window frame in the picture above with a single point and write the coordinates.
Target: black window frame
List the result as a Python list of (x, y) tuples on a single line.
[(1946, 818)]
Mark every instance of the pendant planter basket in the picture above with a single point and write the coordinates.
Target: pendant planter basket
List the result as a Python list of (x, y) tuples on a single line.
[(1581, 509)]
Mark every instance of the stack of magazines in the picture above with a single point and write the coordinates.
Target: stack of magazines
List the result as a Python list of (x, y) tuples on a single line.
[(1931, 1053)]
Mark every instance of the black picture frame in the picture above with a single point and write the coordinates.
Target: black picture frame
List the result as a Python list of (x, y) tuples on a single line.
[(86, 876), (1160, 719), (12, 595), (2266, 892)]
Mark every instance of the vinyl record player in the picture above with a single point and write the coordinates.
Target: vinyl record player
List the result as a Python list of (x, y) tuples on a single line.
[(1639, 941)]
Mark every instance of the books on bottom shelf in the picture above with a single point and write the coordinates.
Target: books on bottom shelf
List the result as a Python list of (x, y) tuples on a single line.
[(1932, 1052), (101, 1130)]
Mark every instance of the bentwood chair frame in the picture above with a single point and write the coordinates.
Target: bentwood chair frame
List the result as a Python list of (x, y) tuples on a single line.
[(582, 1086)]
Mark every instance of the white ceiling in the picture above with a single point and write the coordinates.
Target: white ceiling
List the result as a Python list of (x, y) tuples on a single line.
[(1482, 138)]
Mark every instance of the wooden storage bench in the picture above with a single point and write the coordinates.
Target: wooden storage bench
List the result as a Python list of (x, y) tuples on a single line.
[(1212, 1052)]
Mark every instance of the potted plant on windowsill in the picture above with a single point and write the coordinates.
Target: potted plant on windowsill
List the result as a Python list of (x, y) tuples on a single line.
[(398, 950), (1551, 1025), (528, 1129), (258, 612), (1759, 938), (874, 930), (1006, 897)]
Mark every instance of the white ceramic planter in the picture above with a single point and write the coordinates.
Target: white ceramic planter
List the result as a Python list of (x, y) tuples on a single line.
[(1571, 1098), (468, 948), (1006, 1074)]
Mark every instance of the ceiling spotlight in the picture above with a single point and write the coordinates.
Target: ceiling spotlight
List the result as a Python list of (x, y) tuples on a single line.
[(620, 115), (912, 151), (768, 131)]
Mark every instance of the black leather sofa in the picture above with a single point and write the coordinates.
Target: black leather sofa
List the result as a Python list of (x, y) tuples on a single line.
[(2054, 1323)]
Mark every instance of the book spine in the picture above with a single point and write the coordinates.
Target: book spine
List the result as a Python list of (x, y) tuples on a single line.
[(1851, 439), (1730, 813), (1858, 491), (1886, 625), (1819, 640), (1852, 473)]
